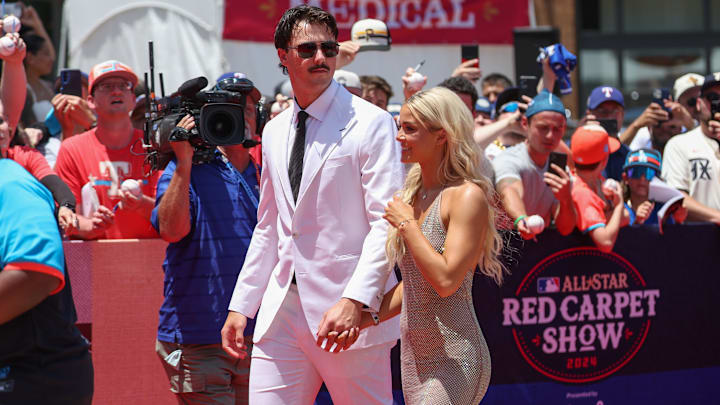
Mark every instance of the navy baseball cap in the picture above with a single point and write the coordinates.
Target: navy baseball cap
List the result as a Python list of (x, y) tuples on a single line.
[(545, 101), (255, 93), (711, 80), (483, 105), (602, 94)]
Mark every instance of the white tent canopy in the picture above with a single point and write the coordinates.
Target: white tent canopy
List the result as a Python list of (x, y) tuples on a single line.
[(188, 42)]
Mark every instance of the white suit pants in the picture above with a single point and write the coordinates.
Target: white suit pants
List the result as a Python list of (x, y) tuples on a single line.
[(288, 367)]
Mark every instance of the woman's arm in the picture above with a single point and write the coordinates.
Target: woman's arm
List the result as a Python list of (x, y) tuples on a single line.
[(468, 212), (390, 307)]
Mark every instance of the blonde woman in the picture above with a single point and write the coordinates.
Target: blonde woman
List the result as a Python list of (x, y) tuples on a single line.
[(442, 230)]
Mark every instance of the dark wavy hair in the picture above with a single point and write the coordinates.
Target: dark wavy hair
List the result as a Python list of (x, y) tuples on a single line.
[(296, 15)]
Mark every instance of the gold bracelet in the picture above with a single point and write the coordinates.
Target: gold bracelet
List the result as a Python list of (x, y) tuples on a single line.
[(402, 224)]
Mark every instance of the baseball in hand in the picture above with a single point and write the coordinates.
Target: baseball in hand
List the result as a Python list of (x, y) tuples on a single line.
[(11, 24), (7, 46), (415, 81), (610, 186), (132, 186), (535, 224)]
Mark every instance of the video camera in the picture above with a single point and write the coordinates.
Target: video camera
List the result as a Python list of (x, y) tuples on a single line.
[(219, 114)]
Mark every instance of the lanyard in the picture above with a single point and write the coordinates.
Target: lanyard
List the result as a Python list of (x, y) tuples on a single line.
[(245, 185)]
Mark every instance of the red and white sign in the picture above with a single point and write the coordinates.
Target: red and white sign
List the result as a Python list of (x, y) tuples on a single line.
[(409, 21)]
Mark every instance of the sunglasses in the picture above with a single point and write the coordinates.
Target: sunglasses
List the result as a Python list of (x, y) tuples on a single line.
[(307, 50), (638, 172)]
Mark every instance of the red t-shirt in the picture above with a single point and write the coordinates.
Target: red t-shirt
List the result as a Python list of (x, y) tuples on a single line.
[(84, 159), (31, 159), (589, 206)]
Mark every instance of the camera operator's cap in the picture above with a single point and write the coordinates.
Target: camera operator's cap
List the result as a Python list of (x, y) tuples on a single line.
[(483, 105), (255, 93), (602, 94), (371, 35), (508, 95), (686, 82), (545, 101), (347, 79), (111, 68), (591, 144), (711, 80), (643, 158)]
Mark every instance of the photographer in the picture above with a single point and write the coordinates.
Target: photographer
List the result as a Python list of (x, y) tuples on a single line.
[(690, 161), (207, 212)]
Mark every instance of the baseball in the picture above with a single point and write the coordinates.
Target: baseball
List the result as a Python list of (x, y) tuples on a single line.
[(11, 24), (610, 186), (133, 186), (415, 81), (7, 46), (535, 224)]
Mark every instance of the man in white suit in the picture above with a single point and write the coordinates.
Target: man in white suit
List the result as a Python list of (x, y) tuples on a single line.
[(317, 256)]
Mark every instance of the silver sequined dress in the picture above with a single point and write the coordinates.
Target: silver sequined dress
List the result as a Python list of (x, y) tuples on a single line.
[(443, 354)]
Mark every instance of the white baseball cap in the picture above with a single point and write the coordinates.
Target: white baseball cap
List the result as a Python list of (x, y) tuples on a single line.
[(347, 79), (371, 35), (686, 82)]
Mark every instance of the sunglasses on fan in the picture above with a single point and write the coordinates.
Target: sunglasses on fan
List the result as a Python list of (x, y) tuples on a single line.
[(307, 50), (638, 172)]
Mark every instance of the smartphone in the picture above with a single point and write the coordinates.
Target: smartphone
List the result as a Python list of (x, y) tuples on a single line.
[(528, 86), (659, 96), (13, 9), (559, 159), (71, 82), (610, 126), (468, 52)]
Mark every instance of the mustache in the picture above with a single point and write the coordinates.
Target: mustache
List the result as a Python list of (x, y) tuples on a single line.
[(321, 66)]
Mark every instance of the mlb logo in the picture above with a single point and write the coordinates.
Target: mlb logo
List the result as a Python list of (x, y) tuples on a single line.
[(548, 285)]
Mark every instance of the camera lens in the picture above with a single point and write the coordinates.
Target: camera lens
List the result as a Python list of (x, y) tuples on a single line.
[(222, 124)]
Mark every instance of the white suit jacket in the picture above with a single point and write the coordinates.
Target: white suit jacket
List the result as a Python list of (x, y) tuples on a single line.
[(333, 239)]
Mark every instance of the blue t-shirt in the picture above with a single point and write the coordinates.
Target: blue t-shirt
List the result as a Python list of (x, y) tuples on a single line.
[(29, 236), (202, 268), (30, 241)]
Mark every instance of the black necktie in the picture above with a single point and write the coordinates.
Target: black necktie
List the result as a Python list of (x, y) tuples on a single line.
[(295, 167)]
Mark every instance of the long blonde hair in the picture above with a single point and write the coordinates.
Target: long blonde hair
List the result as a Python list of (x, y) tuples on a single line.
[(440, 108)]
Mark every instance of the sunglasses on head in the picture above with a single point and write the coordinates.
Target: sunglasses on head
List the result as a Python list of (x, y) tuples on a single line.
[(307, 50), (638, 172)]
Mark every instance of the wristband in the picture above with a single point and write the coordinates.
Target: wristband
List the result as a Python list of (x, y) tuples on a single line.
[(520, 218)]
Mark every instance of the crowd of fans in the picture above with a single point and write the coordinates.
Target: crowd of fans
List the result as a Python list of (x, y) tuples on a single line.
[(84, 148)]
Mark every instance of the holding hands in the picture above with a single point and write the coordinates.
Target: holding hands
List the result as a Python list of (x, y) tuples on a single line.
[(340, 326)]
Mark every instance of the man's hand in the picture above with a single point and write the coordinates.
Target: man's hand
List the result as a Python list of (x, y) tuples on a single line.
[(523, 229), (67, 220), (20, 49), (348, 51), (714, 126), (680, 112), (653, 115), (559, 182), (342, 317), (183, 150), (71, 110), (411, 88), (129, 201), (643, 212), (233, 340), (468, 70)]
